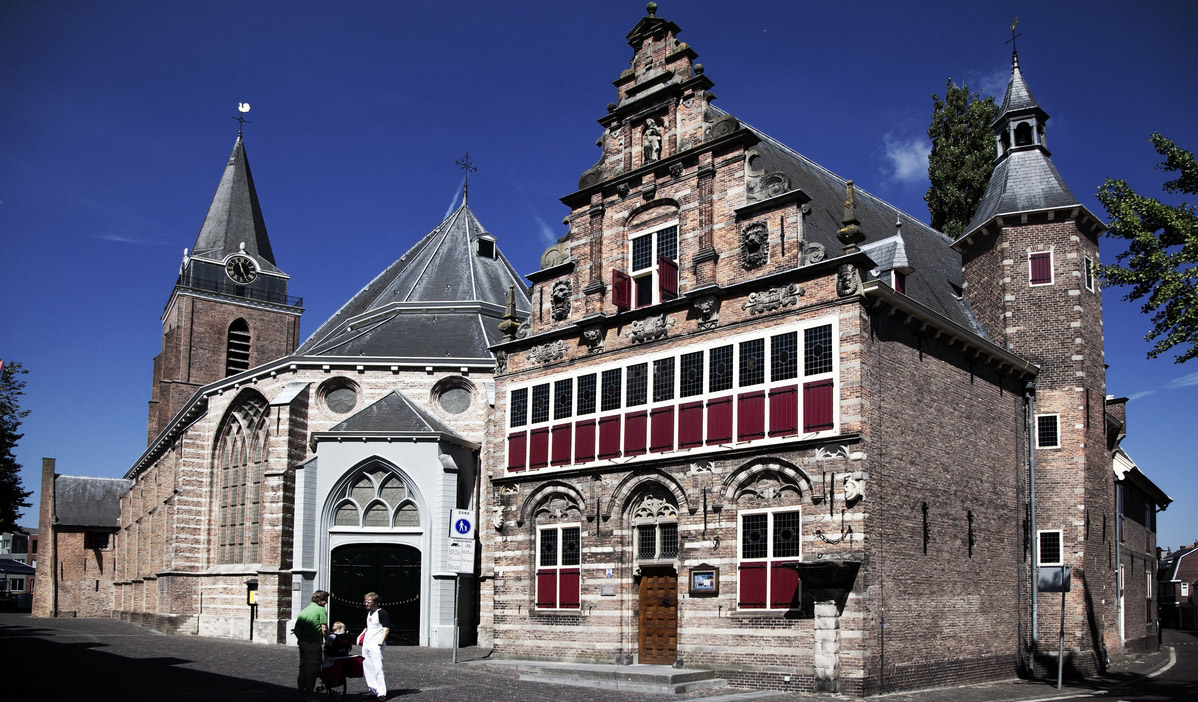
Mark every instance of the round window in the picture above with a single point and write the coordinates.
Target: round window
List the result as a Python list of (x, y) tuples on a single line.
[(341, 400), (455, 400)]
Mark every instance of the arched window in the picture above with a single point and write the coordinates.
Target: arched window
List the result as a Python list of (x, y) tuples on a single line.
[(377, 499), (656, 522), (241, 455), (237, 348), (1023, 134)]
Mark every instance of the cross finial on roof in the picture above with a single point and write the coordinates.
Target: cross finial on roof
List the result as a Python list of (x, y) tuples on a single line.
[(1011, 41), (242, 107), (468, 168)]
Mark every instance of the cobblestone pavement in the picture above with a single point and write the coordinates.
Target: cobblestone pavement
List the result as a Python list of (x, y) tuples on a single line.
[(102, 659)]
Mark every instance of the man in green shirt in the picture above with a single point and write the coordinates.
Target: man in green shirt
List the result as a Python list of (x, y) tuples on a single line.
[(311, 627)]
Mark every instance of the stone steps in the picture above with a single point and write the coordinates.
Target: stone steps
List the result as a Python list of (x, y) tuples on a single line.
[(648, 679)]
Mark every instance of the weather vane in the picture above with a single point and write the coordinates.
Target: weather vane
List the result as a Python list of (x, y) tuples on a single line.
[(468, 168), (1011, 41), (242, 107)]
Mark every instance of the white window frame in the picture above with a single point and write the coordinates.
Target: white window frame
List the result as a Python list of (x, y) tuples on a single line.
[(1040, 550), (770, 558), (1088, 274), (1057, 417), (1051, 268), (1185, 589), (652, 271), (559, 528)]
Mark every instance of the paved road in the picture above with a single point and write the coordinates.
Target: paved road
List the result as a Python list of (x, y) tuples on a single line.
[(104, 659)]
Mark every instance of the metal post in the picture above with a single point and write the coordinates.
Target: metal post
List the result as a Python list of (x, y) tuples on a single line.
[(457, 584), (1061, 639)]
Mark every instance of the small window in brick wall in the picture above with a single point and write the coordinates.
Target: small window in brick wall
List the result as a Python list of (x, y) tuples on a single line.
[(1051, 548), (1088, 273), (1048, 433), (1040, 264)]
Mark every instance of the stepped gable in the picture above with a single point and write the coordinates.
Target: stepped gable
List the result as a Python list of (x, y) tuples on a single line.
[(442, 298), (235, 217)]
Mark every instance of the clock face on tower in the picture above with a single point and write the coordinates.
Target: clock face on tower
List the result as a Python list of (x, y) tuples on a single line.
[(241, 269)]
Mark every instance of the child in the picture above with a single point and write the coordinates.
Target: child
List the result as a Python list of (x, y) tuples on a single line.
[(337, 644)]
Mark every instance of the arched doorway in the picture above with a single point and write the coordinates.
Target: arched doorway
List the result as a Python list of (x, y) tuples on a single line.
[(393, 571)]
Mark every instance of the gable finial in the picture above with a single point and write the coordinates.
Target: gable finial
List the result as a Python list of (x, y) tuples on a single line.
[(1011, 41), (851, 234), (242, 107), (468, 167)]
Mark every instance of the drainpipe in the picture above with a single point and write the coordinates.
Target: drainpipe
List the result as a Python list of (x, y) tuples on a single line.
[(1119, 563), (1029, 398)]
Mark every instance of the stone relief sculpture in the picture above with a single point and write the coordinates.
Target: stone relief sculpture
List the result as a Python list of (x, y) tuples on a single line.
[(654, 506), (774, 299), (760, 185), (497, 517), (854, 489), (559, 299), (594, 338), (708, 308), (650, 328), (848, 280), (547, 352), (500, 362), (652, 141), (754, 245)]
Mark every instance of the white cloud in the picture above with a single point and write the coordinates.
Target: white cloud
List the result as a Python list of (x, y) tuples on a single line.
[(1139, 395), (548, 236), (992, 84), (122, 239), (1184, 381), (453, 202), (908, 159)]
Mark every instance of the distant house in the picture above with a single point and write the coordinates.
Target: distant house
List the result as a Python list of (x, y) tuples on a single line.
[(20, 548), (1177, 578)]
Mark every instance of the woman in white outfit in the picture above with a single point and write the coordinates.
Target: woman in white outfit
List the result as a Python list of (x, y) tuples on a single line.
[(372, 640)]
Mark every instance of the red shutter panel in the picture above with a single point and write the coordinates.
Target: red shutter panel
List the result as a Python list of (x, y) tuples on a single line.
[(561, 444), (750, 416), (661, 429), (784, 586), (1041, 268), (751, 589), (667, 279), (569, 584), (621, 290), (546, 588), (817, 405), (690, 425), (719, 420), (538, 448), (609, 437), (584, 441), (636, 425), (784, 411), (517, 451)]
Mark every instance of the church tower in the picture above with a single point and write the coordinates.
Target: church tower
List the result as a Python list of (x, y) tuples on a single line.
[(1028, 258), (229, 310)]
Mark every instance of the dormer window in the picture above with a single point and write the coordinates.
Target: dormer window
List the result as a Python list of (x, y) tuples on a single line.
[(653, 270), (898, 281), (486, 246)]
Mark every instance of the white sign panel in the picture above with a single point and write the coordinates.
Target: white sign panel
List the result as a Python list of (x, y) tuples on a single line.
[(461, 524), (460, 556)]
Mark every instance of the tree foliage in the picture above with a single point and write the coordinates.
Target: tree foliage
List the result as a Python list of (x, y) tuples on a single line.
[(12, 496), (1161, 260), (962, 156)]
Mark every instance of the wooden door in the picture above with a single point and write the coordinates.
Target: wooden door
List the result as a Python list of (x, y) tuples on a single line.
[(658, 616)]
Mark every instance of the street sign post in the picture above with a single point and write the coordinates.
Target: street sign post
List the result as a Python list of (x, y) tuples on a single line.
[(459, 558)]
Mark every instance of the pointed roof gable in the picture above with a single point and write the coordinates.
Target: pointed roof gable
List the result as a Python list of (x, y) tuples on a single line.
[(235, 217), (1018, 96), (393, 414), (442, 298)]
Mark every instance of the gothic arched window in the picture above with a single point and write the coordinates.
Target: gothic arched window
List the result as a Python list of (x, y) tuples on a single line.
[(241, 455), (237, 348), (376, 498)]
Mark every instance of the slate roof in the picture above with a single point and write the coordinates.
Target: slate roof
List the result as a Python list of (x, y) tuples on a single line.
[(1018, 96), (393, 414), (440, 299), (935, 280), (235, 216), (890, 254), (94, 502), (8, 565)]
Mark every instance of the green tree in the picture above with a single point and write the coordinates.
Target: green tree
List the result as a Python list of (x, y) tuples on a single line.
[(962, 156), (1162, 252), (12, 496)]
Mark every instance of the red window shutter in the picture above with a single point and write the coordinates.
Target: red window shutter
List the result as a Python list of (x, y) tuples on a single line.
[(661, 429), (750, 416), (690, 425), (900, 282), (609, 437), (667, 279), (784, 586), (1041, 268), (546, 588), (517, 451), (569, 585), (621, 289), (784, 411), (561, 444), (636, 425), (584, 441), (538, 448), (817, 405), (751, 588), (719, 420)]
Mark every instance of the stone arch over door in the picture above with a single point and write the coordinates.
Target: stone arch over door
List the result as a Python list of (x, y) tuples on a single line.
[(767, 479), (634, 482)]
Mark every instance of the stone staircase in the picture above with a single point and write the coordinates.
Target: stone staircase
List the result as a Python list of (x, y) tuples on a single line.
[(648, 679)]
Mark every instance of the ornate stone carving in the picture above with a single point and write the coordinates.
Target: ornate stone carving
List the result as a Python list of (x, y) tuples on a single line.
[(760, 185), (594, 338), (655, 507), (592, 176), (716, 125), (556, 254), (754, 245), (769, 487), (774, 299), (622, 189), (854, 489), (810, 252), (651, 138), (650, 328), (708, 308), (509, 490), (824, 453), (702, 467), (497, 517), (851, 234), (524, 329), (500, 362), (559, 299), (557, 509), (546, 352), (675, 170), (848, 280)]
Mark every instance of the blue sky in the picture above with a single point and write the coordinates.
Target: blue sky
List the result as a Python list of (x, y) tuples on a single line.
[(116, 124)]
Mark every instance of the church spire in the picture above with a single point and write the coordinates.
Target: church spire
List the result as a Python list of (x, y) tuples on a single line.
[(235, 217)]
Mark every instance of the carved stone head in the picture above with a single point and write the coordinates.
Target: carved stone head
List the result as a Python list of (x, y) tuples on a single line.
[(559, 298), (754, 246)]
